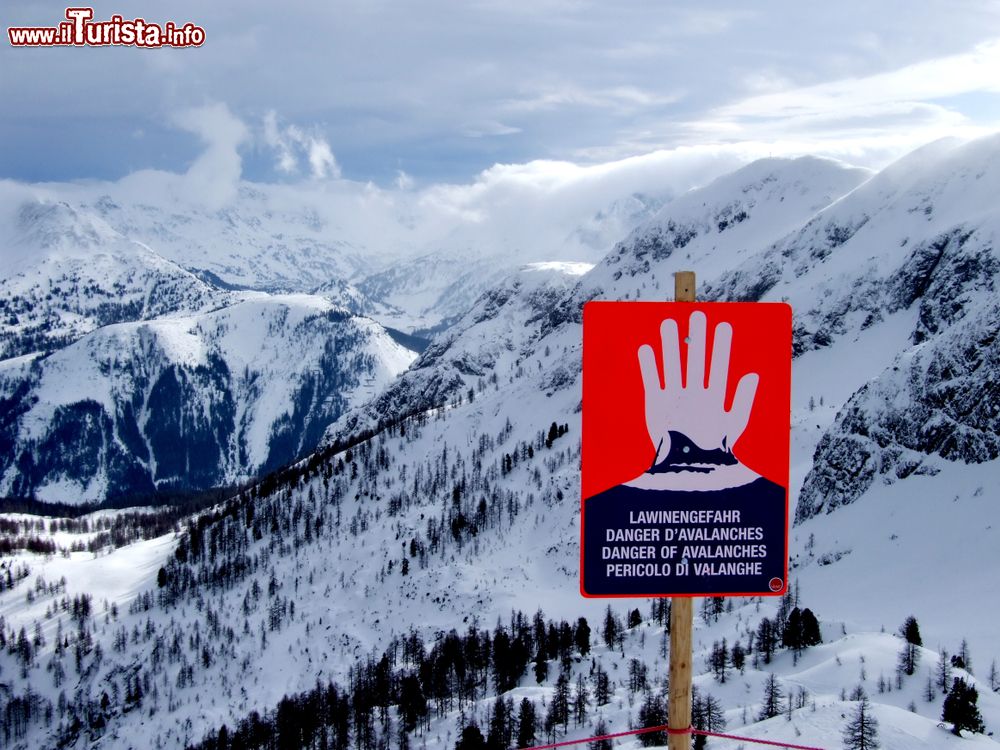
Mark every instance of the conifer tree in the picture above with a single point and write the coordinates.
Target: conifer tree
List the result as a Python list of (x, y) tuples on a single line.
[(861, 732), (706, 715), (637, 676), (581, 700), (771, 704), (719, 660), (634, 618), (541, 667), (602, 686), (963, 659), (961, 709), (652, 713), (600, 730), (581, 636), (908, 659), (471, 739), (944, 671), (811, 634), (791, 637), (559, 708), (738, 657), (767, 639), (910, 631), (994, 676), (527, 724), (611, 628), (497, 737)]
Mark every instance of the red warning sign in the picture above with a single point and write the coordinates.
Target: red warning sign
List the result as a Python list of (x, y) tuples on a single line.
[(686, 417)]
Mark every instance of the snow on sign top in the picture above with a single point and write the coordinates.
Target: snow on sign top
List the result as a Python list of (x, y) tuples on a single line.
[(686, 420)]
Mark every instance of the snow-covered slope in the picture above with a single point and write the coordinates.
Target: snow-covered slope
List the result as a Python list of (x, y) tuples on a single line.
[(925, 241), (936, 404), (188, 401), (463, 505)]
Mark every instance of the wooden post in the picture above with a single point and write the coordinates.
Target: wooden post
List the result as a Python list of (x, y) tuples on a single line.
[(684, 286), (679, 701), (681, 609)]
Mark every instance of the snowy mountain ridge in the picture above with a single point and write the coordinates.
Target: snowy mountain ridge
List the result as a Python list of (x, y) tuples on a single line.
[(187, 401)]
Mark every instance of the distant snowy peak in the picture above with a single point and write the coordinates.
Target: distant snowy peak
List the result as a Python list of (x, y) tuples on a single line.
[(432, 290), (70, 273), (49, 225), (262, 241), (122, 373), (715, 227), (349, 296), (559, 270), (427, 294)]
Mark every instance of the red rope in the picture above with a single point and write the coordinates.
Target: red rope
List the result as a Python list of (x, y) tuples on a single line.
[(750, 739), (668, 730)]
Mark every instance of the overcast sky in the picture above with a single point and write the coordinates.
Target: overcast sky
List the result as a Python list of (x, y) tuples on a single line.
[(436, 92)]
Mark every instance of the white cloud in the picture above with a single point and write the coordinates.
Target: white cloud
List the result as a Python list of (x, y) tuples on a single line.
[(395, 80), (285, 159), (545, 203), (568, 94), (701, 22), (940, 78), (488, 128), (292, 144), (403, 181), (321, 159), (214, 176)]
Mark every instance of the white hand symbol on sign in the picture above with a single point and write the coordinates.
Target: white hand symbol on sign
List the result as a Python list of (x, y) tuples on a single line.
[(691, 417)]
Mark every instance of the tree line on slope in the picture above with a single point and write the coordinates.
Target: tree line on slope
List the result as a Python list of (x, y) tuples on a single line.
[(398, 694)]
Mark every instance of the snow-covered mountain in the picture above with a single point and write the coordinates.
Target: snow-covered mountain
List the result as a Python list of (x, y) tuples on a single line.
[(718, 228), (448, 502), (187, 401), (67, 273)]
